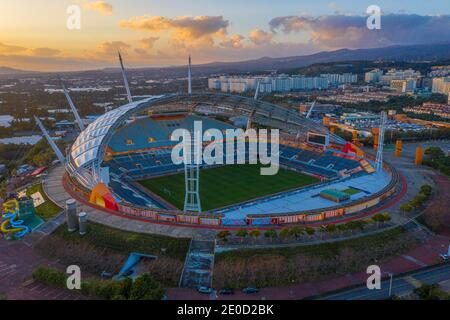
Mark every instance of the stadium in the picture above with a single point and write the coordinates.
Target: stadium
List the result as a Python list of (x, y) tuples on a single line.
[(121, 163)]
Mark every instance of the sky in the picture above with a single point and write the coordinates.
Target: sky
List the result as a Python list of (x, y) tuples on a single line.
[(34, 35)]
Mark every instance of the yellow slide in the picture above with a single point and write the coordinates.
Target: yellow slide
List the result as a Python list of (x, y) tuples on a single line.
[(12, 226)]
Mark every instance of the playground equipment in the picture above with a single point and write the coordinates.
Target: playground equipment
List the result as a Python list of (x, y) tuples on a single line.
[(12, 227)]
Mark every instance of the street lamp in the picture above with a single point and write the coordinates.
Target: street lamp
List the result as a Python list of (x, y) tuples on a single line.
[(391, 275)]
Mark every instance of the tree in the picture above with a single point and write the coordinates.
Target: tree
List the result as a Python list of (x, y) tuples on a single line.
[(431, 292), (272, 234), (285, 233), (146, 288), (426, 189), (255, 233), (224, 234), (331, 228), (242, 233), (124, 289), (296, 231), (310, 231), (434, 152)]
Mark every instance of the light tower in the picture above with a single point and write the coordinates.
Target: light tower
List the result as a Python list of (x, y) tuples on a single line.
[(191, 154), (125, 80), (189, 76), (72, 106), (55, 148), (252, 113), (308, 115), (379, 159)]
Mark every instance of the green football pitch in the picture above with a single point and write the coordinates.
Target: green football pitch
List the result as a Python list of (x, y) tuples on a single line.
[(227, 185)]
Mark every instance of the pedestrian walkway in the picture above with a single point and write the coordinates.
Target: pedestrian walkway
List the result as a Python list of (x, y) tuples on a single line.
[(17, 263), (199, 264)]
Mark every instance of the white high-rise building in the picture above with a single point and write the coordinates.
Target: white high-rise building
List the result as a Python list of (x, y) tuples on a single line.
[(441, 85), (373, 76), (394, 74)]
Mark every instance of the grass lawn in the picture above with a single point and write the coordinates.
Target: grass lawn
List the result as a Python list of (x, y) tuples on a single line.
[(48, 209), (126, 242), (227, 185)]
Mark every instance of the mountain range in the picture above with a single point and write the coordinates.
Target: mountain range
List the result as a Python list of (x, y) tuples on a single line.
[(405, 53)]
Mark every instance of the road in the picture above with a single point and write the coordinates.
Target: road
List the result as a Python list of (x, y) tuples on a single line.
[(400, 286)]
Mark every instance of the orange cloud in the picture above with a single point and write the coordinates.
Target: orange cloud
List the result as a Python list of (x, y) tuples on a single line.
[(260, 37), (44, 52), (183, 30), (8, 49), (234, 41), (102, 7), (148, 43), (110, 48)]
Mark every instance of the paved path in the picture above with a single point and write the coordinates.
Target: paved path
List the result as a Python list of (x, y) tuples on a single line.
[(17, 262)]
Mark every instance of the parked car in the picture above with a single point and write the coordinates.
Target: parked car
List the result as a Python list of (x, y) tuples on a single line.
[(204, 290), (250, 290), (226, 291)]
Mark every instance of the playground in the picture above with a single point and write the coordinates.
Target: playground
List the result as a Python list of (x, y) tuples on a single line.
[(18, 219)]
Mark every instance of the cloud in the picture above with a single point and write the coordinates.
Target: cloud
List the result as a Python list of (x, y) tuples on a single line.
[(234, 41), (183, 31), (111, 47), (44, 52), (102, 7), (8, 49), (148, 43), (339, 31), (191, 27), (260, 37)]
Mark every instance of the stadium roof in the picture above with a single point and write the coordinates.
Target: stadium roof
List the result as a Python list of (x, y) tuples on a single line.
[(90, 144), (85, 148)]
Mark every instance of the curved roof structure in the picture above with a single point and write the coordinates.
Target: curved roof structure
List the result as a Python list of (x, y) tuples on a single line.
[(86, 146), (91, 144)]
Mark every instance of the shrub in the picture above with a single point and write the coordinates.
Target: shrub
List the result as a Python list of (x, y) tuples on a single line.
[(426, 189), (51, 276), (310, 231), (224, 234), (255, 233), (146, 288), (285, 233), (270, 234), (406, 207), (242, 233)]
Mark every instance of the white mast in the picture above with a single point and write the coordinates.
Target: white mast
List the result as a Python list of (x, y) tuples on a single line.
[(72, 106), (127, 87), (257, 90), (55, 148), (310, 110), (189, 77)]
